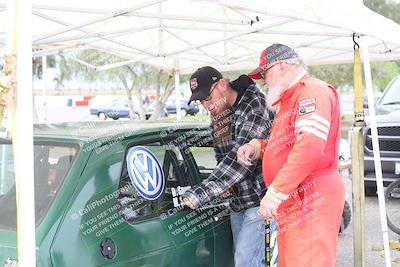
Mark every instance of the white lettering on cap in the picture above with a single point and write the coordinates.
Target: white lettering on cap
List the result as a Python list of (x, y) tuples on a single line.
[(193, 84)]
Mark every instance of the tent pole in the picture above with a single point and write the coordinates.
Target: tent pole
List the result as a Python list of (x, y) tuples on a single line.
[(146, 15), (192, 45), (357, 160), (44, 89), (104, 37), (111, 15), (269, 31), (89, 34), (177, 91), (3, 168), (376, 150), (70, 9), (21, 121), (260, 10), (228, 38), (225, 28)]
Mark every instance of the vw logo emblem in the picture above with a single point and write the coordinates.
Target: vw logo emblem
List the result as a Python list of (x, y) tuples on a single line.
[(145, 173)]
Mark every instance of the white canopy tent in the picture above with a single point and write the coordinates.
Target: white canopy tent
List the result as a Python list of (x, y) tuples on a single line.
[(228, 34), (182, 35)]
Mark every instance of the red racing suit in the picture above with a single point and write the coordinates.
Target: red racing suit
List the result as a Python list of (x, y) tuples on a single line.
[(300, 161)]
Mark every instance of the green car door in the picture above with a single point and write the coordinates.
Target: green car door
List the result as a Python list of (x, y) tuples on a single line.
[(202, 154), (116, 216), (162, 226)]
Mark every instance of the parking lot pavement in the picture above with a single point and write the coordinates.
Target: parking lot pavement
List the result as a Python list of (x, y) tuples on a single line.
[(373, 237)]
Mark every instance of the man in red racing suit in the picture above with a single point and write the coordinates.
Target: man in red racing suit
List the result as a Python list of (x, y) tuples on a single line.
[(305, 192)]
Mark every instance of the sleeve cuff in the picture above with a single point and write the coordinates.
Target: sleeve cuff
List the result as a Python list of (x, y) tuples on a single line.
[(275, 196), (193, 198), (257, 147)]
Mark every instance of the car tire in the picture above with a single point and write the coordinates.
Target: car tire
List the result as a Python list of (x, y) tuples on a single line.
[(346, 217), (370, 190), (102, 116), (393, 193)]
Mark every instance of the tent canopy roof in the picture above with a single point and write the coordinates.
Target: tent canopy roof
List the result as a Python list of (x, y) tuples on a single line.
[(227, 34)]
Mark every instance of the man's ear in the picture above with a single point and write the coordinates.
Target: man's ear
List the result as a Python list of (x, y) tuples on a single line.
[(283, 67), (224, 85)]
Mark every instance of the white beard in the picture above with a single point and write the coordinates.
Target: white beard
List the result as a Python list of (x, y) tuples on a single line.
[(273, 95)]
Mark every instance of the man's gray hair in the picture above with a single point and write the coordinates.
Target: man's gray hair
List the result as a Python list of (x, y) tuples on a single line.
[(295, 62)]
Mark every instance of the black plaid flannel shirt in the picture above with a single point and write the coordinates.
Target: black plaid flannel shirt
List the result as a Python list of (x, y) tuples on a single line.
[(250, 119)]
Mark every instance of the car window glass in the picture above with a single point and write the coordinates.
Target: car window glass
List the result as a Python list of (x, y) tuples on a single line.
[(51, 164), (393, 93), (202, 149), (205, 159), (133, 206)]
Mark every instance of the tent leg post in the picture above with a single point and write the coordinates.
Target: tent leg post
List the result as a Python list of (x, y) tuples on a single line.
[(21, 126), (376, 150), (177, 92), (357, 159), (44, 89)]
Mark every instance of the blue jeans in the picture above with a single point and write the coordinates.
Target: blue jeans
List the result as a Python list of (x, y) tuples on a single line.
[(248, 230)]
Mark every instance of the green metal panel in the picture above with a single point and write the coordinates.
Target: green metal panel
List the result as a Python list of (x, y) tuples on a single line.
[(8, 246), (77, 234)]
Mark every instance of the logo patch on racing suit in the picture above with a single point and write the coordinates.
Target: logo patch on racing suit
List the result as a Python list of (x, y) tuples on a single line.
[(306, 106), (306, 102), (306, 110)]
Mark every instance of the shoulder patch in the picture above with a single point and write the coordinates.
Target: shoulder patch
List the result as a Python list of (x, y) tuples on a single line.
[(306, 109), (307, 102)]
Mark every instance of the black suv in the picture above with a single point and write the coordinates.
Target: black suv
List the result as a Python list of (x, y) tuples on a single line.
[(388, 123)]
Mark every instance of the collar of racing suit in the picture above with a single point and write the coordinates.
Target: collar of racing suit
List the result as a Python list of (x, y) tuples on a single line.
[(298, 78), (292, 87)]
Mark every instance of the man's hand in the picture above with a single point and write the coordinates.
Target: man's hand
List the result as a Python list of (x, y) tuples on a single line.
[(268, 208), (245, 155), (188, 203), (226, 194)]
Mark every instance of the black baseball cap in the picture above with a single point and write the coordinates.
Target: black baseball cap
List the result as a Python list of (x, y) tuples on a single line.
[(201, 81), (270, 55)]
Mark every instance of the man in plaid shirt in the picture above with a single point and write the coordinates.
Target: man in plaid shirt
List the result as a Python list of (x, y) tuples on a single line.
[(239, 114)]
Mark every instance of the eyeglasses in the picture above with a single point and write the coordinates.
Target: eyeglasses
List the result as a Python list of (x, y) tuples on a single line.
[(209, 97), (263, 73)]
